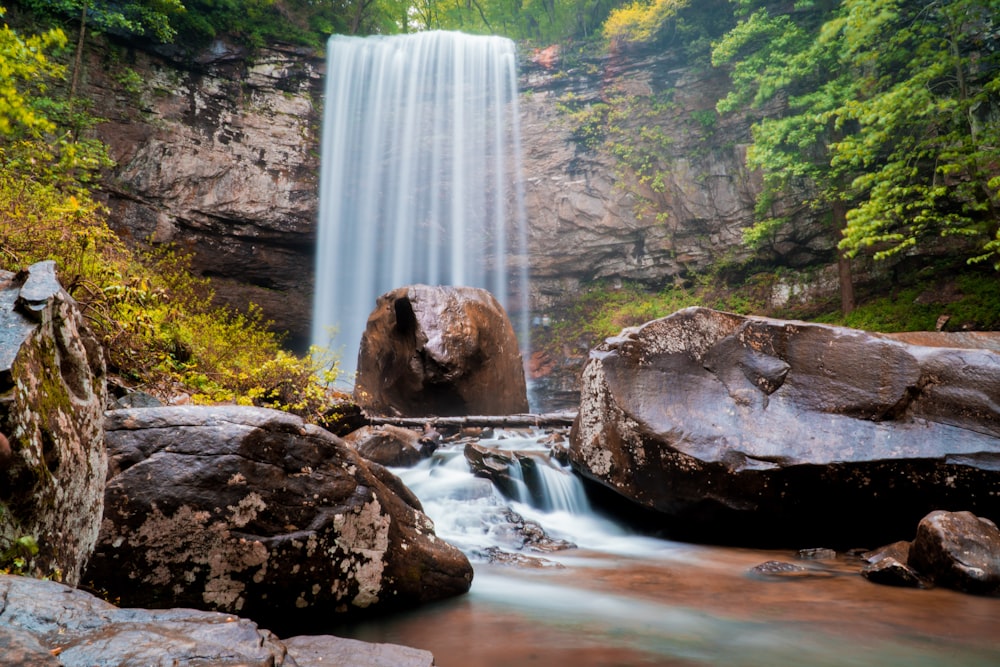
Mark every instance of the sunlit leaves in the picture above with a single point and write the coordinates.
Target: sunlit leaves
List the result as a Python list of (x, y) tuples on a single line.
[(641, 20), (24, 70)]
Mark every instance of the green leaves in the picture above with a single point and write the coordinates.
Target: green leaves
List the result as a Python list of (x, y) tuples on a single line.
[(24, 71), (887, 105)]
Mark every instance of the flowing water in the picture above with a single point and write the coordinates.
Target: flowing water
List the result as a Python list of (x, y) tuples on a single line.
[(619, 598), (420, 177)]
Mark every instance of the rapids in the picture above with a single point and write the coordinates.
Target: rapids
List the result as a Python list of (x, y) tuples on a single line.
[(619, 598)]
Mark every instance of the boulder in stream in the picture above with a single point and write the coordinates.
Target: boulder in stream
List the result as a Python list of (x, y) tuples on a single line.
[(253, 511), (52, 399), (958, 550), (439, 351), (388, 445), (782, 433)]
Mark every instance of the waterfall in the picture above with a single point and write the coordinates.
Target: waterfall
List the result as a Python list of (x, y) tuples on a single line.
[(419, 177)]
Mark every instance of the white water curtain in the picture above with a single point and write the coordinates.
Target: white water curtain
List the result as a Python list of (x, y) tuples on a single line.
[(420, 175)]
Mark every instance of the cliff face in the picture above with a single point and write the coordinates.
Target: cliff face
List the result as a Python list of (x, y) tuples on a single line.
[(219, 153), (593, 216)]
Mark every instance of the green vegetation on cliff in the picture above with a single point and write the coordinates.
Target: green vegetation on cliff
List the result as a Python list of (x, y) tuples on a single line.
[(159, 328)]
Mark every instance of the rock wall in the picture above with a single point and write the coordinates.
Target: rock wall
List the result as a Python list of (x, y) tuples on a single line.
[(218, 151), (585, 210)]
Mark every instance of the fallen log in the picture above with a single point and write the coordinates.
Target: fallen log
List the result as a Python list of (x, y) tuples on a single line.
[(514, 421)]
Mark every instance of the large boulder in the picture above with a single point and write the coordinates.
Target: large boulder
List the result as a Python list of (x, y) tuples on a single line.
[(253, 511), (52, 457), (755, 430), (958, 550), (439, 351), (43, 623)]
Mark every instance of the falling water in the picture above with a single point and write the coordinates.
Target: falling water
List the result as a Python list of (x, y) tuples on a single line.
[(419, 177)]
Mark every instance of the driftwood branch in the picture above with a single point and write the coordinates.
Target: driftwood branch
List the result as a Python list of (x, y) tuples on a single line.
[(519, 420)]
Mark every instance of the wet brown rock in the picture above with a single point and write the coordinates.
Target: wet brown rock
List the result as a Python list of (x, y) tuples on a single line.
[(253, 511), (888, 566), (52, 459), (764, 431), (958, 550), (387, 445), (439, 351)]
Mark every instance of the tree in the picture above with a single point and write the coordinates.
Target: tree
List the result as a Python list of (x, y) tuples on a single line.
[(24, 69), (926, 138), (791, 61)]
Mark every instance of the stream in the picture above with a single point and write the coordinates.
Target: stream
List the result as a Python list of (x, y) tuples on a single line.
[(620, 598)]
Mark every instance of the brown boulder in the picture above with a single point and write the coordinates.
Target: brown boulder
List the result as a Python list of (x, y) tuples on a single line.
[(439, 351), (387, 445), (958, 550), (764, 431), (253, 511), (52, 458)]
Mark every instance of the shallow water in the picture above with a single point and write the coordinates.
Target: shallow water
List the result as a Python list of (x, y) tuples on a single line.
[(621, 599)]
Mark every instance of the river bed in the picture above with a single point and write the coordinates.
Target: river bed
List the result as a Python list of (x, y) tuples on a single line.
[(621, 599)]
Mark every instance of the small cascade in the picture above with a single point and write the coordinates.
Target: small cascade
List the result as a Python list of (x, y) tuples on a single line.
[(516, 478), (545, 485), (420, 177)]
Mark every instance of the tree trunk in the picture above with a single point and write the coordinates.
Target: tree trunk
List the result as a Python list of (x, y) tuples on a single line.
[(78, 60), (843, 261)]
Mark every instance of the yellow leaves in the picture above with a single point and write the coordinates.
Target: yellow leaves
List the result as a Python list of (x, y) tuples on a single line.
[(640, 21)]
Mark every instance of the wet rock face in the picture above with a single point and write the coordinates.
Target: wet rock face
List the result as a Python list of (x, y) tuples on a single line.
[(255, 512), (52, 458), (586, 221), (765, 431), (439, 351)]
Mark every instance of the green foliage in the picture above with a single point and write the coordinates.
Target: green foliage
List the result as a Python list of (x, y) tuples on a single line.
[(626, 126), (16, 557), (907, 308), (602, 310), (926, 128), (149, 18), (25, 71), (154, 318), (887, 108)]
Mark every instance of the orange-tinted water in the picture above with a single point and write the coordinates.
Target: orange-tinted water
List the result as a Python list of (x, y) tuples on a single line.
[(694, 605)]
